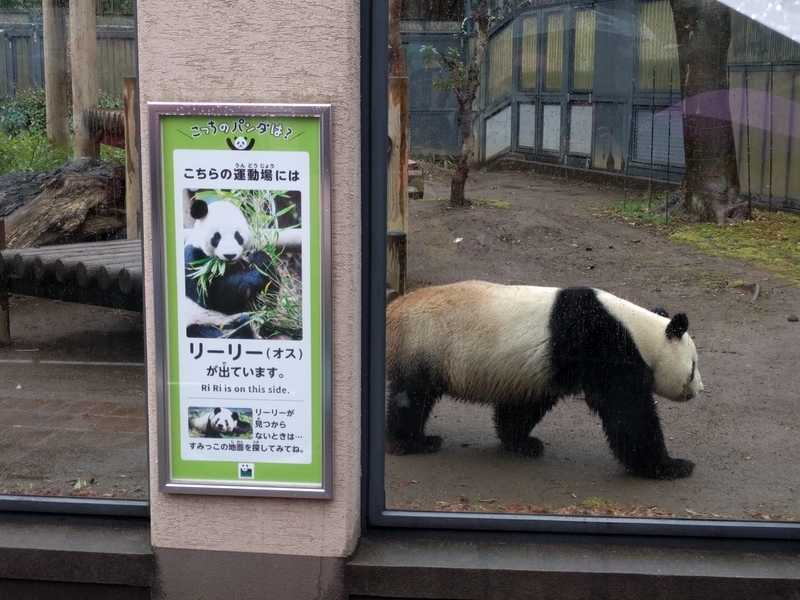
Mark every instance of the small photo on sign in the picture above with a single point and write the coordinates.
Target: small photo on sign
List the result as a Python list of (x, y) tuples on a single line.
[(243, 264), (246, 471), (220, 422)]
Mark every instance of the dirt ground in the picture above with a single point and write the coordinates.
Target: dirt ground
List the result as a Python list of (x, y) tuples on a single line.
[(742, 431)]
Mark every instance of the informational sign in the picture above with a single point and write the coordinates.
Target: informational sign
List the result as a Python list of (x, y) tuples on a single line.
[(241, 250)]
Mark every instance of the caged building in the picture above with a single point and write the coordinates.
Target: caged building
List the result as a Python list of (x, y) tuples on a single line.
[(595, 86)]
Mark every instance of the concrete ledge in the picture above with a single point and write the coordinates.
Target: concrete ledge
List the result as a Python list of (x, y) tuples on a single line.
[(211, 575), (464, 570), (87, 550)]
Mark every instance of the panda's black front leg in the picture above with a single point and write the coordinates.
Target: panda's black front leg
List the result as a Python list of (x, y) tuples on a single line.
[(633, 429), (242, 284)]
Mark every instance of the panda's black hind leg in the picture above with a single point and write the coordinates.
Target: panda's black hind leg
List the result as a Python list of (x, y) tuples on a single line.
[(406, 415), (514, 423)]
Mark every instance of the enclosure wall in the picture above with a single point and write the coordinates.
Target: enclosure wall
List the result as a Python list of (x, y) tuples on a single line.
[(275, 51)]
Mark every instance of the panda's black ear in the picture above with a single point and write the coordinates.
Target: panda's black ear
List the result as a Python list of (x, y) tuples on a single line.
[(217, 410), (660, 312), (677, 326), (198, 209)]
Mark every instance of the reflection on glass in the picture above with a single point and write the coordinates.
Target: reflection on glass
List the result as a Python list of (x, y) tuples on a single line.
[(632, 420), (530, 56), (499, 55), (72, 405), (555, 51), (583, 74)]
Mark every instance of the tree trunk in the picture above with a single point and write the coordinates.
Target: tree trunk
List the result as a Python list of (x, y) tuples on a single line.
[(459, 181), (56, 78), (395, 39), (83, 56), (465, 95), (710, 186)]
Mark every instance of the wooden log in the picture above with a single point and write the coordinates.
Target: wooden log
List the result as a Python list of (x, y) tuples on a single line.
[(105, 273), (130, 280), (39, 268), (111, 265), (21, 266), (103, 277), (64, 272), (84, 275), (88, 249), (65, 269), (97, 256), (91, 247), (65, 202), (97, 226)]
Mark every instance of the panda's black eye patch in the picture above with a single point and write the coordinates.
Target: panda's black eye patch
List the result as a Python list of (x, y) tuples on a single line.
[(215, 239), (239, 238)]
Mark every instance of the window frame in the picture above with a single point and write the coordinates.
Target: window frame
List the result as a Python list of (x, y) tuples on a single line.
[(71, 505), (375, 516)]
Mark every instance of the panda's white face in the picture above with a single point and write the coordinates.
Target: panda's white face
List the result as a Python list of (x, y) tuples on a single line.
[(676, 374), (665, 345), (240, 143), (223, 232), (222, 420)]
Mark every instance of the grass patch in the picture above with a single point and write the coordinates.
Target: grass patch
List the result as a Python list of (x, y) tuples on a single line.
[(639, 212), (770, 240), (493, 202)]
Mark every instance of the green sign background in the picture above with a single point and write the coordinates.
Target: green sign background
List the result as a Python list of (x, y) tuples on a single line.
[(176, 134)]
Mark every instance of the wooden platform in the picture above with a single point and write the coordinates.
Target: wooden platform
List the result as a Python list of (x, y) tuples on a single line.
[(100, 273)]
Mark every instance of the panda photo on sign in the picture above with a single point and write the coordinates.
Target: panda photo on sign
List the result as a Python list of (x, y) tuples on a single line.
[(213, 423), (520, 349), (219, 305)]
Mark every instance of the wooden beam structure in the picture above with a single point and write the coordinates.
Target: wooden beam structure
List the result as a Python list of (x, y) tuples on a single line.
[(83, 57), (56, 71), (397, 178)]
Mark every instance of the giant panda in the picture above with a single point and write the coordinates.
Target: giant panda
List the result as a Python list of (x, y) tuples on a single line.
[(218, 421), (221, 230), (522, 348)]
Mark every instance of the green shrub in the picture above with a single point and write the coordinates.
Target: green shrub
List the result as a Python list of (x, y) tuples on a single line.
[(29, 151), (108, 101), (25, 111)]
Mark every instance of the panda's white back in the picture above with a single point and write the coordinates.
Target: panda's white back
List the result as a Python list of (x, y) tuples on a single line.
[(490, 340)]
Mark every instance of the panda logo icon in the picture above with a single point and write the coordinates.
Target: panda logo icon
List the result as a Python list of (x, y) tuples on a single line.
[(241, 143)]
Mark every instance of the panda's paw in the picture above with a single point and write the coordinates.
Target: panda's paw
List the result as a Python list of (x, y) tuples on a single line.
[(427, 444), (671, 468), (677, 468), (259, 258), (530, 446)]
